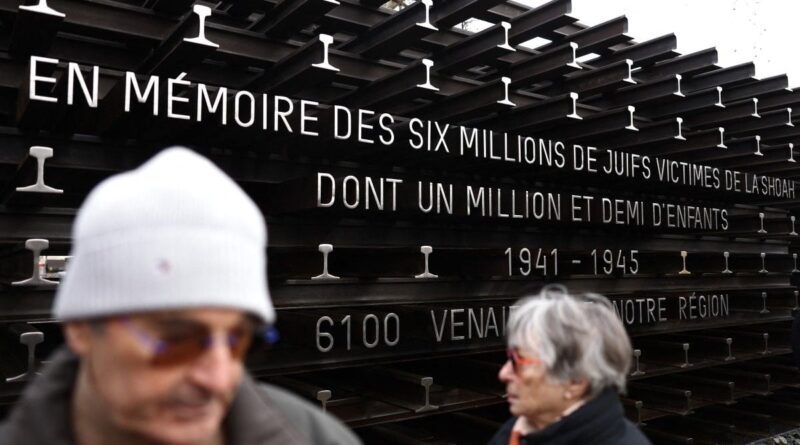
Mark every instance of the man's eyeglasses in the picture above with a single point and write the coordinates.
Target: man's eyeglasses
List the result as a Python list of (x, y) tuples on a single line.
[(517, 361), (176, 342)]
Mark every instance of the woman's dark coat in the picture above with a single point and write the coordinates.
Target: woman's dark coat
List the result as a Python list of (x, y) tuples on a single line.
[(600, 421)]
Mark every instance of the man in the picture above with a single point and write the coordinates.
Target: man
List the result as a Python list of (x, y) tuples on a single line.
[(165, 289)]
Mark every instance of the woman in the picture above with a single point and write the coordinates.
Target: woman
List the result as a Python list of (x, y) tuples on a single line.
[(568, 358)]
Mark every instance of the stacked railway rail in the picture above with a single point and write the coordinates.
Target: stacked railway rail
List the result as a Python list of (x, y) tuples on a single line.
[(417, 179)]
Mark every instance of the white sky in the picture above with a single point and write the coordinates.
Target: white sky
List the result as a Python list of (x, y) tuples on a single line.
[(764, 32)]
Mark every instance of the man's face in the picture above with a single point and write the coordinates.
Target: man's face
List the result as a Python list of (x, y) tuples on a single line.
[(168, 401)]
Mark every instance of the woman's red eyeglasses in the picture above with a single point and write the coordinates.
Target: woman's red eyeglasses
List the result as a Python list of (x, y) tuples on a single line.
[(518, 360)]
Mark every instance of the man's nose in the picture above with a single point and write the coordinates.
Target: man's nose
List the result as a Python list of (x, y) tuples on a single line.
[(216, 370)]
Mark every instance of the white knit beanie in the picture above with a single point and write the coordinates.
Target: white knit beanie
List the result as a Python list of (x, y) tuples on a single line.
[(175, 233)]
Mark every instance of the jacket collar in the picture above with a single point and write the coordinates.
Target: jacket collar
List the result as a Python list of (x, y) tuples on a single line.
[(600, 420), (47, 397), (253, 417)]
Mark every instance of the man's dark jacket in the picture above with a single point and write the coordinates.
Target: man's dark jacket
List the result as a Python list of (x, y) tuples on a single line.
[(260, 414), (600, 421)]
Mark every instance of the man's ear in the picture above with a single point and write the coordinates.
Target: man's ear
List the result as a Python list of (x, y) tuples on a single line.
[(78, 335)]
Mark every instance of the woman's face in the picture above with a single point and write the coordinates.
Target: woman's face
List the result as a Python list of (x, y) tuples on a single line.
[(531, 392)]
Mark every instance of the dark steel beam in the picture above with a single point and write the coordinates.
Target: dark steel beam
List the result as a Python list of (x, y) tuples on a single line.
[(744, 110), (587, 83), (401, 85), (450, 13), (175, 7), (242, 9), (701, 140), (297, 71), (544, 114), (648, 93), (643, 54), (548, 65), (481, 101), (782, 134), (550, 16), (669, 131), (758, 88), (350, 17), (131, 24), (479, 48), (504, 11), (786, 99), (710, 99), (595, 38), (32, 113), (599, 125), (734, 148), (247, 47), (773, 119), (398, 31), (372, 3), (776, 156), (177, 54), (289, 16), (723, 77), (685, 65), (34, 31), (788, 167)]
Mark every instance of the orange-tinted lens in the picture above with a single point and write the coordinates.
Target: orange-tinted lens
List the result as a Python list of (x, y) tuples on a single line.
[(239, 341), (517, 360), (178, 342)]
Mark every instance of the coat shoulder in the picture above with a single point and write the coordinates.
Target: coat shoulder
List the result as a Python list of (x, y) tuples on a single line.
[(319, 427), (633, 435), (503, 434)]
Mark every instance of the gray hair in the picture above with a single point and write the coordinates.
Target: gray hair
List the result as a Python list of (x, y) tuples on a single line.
[(578, 337)]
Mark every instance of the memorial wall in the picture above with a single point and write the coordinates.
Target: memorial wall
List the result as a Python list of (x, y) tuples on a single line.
[(417, 179)]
